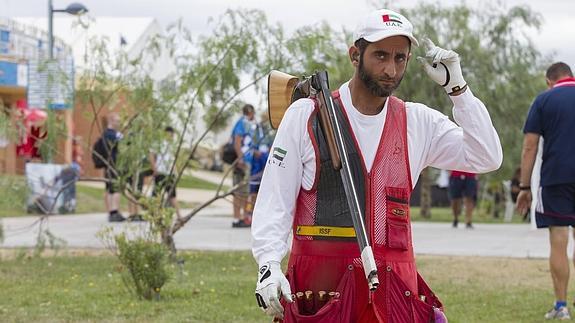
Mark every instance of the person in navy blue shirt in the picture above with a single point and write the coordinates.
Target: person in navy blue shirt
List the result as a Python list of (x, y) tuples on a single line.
[(552, 117), (112, 198)]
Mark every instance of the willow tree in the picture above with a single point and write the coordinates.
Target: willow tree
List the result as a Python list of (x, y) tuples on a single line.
[(240, 52), (212, 71)]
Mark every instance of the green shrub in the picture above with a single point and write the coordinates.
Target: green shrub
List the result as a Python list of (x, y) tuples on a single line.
[(145, 265)]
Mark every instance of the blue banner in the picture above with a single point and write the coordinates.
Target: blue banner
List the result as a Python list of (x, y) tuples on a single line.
[(8, 73)]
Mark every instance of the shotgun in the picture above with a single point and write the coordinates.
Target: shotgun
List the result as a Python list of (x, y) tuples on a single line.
[(284, 89), (319, 82)]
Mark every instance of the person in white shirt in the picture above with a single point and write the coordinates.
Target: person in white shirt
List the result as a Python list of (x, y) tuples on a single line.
[(162, 160), (389, 143)]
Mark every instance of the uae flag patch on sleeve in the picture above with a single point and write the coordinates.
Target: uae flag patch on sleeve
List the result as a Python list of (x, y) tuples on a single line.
[(278, 156)]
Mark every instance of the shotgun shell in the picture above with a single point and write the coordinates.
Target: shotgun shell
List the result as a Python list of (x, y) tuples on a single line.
[(330, 295), (299, 300), (309, 302), (321, 299)]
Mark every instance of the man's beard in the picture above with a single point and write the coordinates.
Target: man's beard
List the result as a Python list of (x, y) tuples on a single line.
[(370, 82)]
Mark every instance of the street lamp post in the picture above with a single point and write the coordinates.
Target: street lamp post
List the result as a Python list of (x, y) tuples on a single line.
[(75, 9)]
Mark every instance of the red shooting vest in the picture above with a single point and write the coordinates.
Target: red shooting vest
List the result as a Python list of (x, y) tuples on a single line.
[(322, 262)]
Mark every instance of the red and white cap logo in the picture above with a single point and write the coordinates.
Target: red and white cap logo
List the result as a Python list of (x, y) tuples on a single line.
[(384, 23)]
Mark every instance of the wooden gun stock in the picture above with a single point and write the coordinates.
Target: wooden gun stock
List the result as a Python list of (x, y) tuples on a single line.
[(327, 129)]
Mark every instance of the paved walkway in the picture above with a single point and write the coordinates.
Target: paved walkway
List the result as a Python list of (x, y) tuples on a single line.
[(211, 230)]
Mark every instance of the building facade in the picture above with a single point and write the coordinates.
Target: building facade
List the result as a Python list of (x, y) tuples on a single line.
[(33, 92)]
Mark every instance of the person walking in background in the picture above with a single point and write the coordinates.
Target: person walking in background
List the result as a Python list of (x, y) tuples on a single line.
[(242, 138), (162, 159), (463, 193), (136, 185), (111, 138), (136, 172), (552, 116), (263, 140)]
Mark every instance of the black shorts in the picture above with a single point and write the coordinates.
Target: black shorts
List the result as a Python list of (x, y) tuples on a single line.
[(112, 180), (164, 183), (462, 186), (141, 177), (555, 206)]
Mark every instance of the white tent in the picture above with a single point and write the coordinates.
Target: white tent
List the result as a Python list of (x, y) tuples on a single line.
[(122, 33)]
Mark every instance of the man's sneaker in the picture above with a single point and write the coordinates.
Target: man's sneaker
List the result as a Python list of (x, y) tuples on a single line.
[(116, 217), (136, 218), (240, 224), (469, 226), (455, 222), (558, 314)]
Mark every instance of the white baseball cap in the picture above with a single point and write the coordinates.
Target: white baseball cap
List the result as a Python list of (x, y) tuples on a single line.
[(384, 23)]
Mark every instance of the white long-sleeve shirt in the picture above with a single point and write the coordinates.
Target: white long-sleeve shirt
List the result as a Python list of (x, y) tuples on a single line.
[(432, 140)]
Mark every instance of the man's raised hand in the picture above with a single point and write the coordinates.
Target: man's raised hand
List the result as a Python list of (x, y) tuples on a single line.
[(445, 67)]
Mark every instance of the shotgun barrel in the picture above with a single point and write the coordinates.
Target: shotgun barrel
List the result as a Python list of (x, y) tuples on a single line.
[(319, 81)]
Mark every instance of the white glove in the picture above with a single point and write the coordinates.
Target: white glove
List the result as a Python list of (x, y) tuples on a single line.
[(271, 285), (445, 68)]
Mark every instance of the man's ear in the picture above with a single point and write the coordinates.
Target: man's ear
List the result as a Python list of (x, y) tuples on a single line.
[(549, 83), (354, 55)]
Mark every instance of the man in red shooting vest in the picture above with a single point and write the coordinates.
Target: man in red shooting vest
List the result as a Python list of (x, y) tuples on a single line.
[(389, 143)]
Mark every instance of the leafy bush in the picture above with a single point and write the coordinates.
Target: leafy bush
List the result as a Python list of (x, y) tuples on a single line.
[(145, 263)]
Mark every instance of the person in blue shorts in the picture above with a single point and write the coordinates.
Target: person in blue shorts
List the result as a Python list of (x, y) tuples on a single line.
[(552, 117), (462, 192)]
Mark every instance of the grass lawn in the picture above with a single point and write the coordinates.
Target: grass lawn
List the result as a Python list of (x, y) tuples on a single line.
[(188, 181), (88, 199), (91, 200), (218, 287), (444, 214)]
